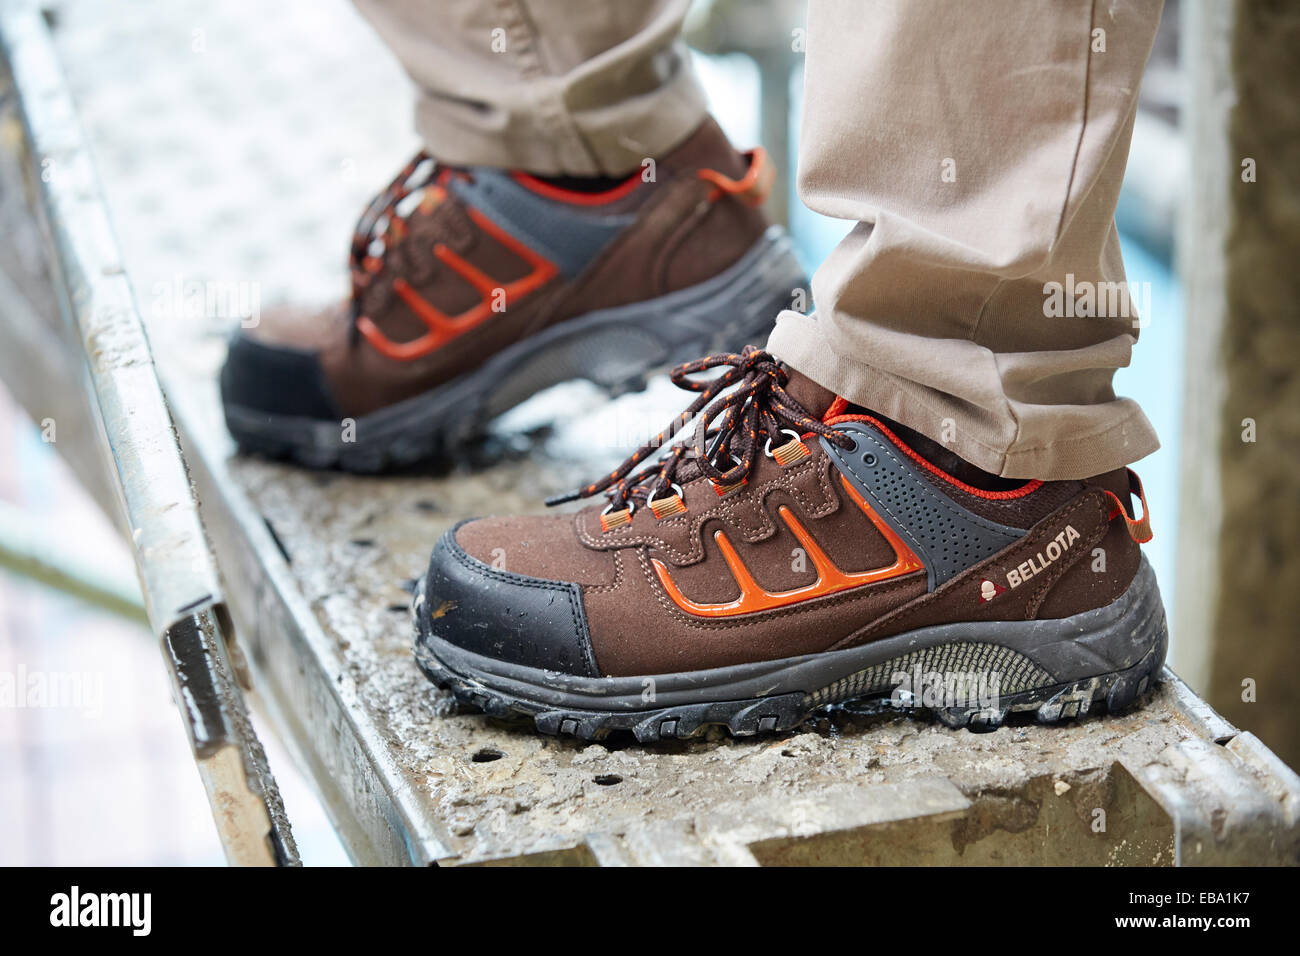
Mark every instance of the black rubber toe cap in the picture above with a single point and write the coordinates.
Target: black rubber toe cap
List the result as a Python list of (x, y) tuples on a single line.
[(276, 380), (509, 617)]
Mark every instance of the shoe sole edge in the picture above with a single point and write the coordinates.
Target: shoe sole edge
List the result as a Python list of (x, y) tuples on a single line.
[(1111, 655)]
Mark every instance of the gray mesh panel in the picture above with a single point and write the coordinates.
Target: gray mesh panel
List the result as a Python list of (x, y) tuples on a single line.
[(944, 535), (569, 237)]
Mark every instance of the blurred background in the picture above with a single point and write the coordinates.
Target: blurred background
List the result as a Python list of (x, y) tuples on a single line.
[(242, 139)]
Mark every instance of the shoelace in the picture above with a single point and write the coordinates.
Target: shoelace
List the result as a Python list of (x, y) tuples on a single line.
[(363, 263), (737, 424)]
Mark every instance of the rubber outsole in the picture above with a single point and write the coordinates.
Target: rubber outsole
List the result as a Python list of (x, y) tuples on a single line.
[(1138, 639), (615, 349)]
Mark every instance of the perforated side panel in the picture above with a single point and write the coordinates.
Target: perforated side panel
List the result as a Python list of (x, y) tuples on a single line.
[(988, 668), (568, 237), (944, 535)]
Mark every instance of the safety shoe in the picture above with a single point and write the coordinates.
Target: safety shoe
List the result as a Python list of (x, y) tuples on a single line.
[(793, 554), (474, 288)]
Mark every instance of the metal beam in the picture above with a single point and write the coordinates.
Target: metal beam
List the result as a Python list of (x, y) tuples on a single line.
[(182, 595)]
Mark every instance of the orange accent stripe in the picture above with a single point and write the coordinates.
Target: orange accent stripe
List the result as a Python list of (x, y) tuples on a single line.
[(1139, 529), (560, 194), (830, 579), (442, 327), (1027, 488), (752, 188), (837, 409), (483, 283)]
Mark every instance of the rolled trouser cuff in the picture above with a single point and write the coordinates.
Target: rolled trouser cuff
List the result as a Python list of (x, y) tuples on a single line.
[(550, 138), (1014, 439)]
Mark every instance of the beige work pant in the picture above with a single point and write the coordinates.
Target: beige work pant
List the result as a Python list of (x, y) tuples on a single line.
[(979, 147)]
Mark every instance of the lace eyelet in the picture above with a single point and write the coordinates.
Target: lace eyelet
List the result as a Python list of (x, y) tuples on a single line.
[(722, 490), (610, 519), (670, 506), (790, 453)]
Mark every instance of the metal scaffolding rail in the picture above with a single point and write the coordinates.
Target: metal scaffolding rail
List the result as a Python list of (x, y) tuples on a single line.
[(284, 585), (145, 468)]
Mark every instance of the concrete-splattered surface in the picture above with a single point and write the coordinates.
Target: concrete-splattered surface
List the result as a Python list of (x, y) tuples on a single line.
[(504, 791), (257, 133), (849, 787)]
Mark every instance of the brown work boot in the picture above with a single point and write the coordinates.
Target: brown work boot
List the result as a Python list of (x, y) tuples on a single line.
[(794, 554), (474, 288)]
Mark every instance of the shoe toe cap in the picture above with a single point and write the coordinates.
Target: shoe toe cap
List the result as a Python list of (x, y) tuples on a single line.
[(275, 379), (510, 617)]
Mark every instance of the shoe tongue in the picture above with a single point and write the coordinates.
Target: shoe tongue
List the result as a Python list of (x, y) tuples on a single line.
[(809, 394)]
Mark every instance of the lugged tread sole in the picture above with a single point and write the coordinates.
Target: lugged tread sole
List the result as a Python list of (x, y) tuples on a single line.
[(1108, 693), (1111, 693)]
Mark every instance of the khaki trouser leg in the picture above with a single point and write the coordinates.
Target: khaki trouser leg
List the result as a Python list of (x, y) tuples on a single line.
[(555, 87), (980, 148)]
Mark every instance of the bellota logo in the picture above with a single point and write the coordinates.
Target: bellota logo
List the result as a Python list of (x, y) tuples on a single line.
[(989, 590), (1037, 564), (75, 908)]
